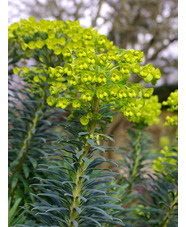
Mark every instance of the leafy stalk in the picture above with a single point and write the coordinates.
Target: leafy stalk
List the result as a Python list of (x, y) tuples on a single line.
[(81, 170), (169, 212), (31, 130), (137, 151)]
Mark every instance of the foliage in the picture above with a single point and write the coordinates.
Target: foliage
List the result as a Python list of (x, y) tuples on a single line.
[(149, 199), (75, 191), (79, 73)]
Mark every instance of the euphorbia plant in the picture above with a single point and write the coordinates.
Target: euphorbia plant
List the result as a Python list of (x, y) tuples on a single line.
[(86, 74)]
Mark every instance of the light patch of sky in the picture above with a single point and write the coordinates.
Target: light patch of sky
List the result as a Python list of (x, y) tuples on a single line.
[(78, 1), (166, 11), (99, 21), (106, 10), (148, 37), (41, 1), (67, 4), (159, 18), (171, 50), (85, 21), (104, 29)]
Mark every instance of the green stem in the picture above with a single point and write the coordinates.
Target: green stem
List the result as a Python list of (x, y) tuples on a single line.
[(81, 171), (169, 212), (136, 160), (26, 143)]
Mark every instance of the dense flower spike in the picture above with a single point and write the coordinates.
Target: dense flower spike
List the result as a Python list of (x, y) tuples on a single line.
[(86, 67)]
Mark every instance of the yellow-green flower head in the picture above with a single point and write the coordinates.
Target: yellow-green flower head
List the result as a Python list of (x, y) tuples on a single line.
[(145, 112), (58, 71), (113, 91), (125, 68), (76, 104), (25, 69), (122, 93), (54, 91), (102, 93), (66, 52), (90, 49), (87, 96), (115, 76), (138, 55), (76, 38), (68, 69), (102, 59), (72, 80), (16, 70), (51, 72), (89, 115), (111, 55), (81, 52), (171, 121), (166, 154), (51, 101), (87, 34), (61, 41), (24, 46), (157, 74), (57, 50), (36, 79), (131, 93), (147, 92), (87, 77), (91, 58), (50, 42), (164, 140), (62, 103), (135, 68), (172, 102), (31, 45), (128, 56), (102, 39), (101, 78), (40, 43), (81, 64), (84, 120)]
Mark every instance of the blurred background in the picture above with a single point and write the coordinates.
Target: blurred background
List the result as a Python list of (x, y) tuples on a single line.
[(147, 25)]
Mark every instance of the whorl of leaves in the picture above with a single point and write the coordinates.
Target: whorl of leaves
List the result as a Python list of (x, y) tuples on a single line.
[(30, 135), (158, 204), (161, 200), (60, 203)]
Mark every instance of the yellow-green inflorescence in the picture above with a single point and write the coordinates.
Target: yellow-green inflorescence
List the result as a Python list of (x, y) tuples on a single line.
[(172, 104), (88, 67), (167, 156)]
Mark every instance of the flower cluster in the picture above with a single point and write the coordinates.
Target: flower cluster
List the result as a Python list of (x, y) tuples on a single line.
[(167, 155), (172, 103), (143, 111), (84, 67)]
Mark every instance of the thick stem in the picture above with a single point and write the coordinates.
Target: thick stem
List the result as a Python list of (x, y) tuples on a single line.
[(81, 170)]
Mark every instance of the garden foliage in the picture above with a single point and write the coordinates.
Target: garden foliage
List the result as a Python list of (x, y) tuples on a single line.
[(75, 81)]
